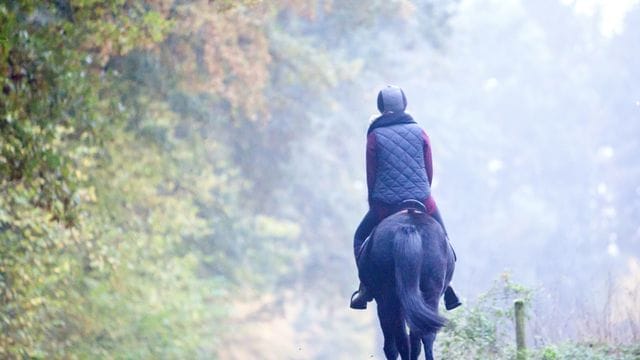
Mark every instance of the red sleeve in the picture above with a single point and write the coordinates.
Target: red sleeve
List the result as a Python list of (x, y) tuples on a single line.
[(371, 161), (427, 156)]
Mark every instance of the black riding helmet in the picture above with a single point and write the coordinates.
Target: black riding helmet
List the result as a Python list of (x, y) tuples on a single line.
[(391, 98)]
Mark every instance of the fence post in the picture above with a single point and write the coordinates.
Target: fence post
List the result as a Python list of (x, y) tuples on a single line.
[(521, 347)]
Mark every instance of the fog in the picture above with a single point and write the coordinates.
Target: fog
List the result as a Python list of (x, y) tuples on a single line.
[(533, 113)]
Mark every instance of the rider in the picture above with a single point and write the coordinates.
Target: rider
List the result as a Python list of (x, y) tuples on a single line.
[(398, 168)]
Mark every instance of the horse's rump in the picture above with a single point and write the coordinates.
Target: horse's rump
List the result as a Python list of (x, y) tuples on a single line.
[(408, 261)]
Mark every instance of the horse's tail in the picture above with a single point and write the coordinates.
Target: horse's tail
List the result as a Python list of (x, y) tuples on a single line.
[(407, 256)]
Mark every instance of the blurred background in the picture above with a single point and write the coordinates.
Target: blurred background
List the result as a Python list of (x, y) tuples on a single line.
[(182, 179)]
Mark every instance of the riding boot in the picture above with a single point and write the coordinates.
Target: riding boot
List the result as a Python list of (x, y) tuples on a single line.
[(451, 300), (360, 298)]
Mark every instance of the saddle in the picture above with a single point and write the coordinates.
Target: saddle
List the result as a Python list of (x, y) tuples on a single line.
[(410, 205)]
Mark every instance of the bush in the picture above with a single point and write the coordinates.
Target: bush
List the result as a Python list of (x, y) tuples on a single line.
[(485, 330)]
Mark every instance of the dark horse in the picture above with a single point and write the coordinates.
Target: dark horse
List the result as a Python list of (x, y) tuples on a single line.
[(408, 264)]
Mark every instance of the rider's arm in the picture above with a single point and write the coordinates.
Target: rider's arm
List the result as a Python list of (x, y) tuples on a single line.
[(430, 203), (371, 162), (427, 156)]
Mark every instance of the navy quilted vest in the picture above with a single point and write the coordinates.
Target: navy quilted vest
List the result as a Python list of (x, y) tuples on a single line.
[(400, 170)]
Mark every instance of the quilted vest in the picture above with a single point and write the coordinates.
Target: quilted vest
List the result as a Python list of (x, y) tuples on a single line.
[(400, 170)]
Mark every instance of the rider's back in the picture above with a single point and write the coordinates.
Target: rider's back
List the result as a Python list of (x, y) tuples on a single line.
[(400, 165)]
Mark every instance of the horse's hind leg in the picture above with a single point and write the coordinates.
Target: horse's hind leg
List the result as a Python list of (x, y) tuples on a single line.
[(402, 339), (417, 339), (389, 319), (428, 340), (416, 344)]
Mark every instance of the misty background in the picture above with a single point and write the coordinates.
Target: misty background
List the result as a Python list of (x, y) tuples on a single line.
[(533, 113), (183, 179)]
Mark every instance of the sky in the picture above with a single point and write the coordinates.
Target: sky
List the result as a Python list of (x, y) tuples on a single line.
[(609, 14)]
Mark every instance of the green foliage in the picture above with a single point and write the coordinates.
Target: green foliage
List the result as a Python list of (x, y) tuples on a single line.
[(568, 351), (77, 278), (484, 330), (124, 167)]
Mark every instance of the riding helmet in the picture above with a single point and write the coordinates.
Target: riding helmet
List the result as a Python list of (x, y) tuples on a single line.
[(391, 98)]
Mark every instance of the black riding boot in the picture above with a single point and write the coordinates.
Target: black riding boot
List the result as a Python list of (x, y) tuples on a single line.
[(451, 300), (360, 298)]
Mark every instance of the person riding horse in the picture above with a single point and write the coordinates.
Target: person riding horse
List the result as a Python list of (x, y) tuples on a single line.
[(399, 168)]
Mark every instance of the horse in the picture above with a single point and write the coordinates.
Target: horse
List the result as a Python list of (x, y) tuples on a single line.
[(408, 263)]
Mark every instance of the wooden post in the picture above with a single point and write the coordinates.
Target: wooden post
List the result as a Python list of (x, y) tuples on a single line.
[(521, 347)]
